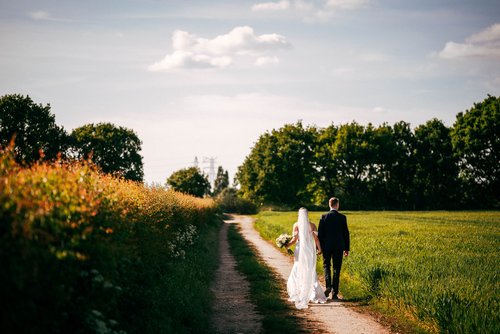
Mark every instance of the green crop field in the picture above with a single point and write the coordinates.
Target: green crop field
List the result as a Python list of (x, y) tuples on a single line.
[(438, 269)]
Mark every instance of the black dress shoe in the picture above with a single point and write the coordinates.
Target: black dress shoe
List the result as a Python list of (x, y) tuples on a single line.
[(327, 292), (335, 297)]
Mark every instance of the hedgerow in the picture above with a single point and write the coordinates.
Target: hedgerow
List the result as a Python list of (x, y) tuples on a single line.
[(81, 252)]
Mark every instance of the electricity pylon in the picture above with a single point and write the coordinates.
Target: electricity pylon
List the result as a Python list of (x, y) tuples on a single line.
[(211, 169)]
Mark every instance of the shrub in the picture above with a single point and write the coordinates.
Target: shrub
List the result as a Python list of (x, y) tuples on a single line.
[(82, 251), (228, 201)]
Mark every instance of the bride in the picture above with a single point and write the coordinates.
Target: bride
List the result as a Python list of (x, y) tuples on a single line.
[(303, 285)]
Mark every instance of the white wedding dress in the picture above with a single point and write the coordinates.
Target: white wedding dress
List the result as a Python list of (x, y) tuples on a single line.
[(303, 285)]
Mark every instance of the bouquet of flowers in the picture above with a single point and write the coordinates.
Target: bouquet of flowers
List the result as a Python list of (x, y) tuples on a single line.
[(283, 240)]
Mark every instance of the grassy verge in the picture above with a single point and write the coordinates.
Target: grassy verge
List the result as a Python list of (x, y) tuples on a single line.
[(172, 295), (266, 290), (184, 287), (435, 270)]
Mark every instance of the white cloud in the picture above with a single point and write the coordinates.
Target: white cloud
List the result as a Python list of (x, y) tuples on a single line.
[(320, 15), (39, 15), (191, 51), (343, 71), (42, 15), (182, 59), (253, 107), (311, 11), (261, 61), (248, 106), (265, 6), (303, 5), (490, 34), (373, 57), (346, 4), (485, 44)]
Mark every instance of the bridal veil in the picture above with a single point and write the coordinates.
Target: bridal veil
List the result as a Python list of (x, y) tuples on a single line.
[(303, 285)]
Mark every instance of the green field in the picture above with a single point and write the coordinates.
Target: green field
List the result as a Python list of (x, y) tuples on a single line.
[(438, 269)]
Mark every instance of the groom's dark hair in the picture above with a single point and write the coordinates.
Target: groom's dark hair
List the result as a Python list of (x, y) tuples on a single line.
[(333, 202)]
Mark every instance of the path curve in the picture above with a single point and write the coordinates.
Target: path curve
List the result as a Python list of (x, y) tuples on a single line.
[(334, 316), (232, 310)]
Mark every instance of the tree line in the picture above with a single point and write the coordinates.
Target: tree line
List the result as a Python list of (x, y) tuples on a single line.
[(432, 166), (385, 167)]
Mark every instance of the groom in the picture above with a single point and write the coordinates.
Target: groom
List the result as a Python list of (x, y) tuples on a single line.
[(333, 236)]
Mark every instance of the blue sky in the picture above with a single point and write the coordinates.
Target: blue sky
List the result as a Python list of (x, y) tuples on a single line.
[(206, 78)]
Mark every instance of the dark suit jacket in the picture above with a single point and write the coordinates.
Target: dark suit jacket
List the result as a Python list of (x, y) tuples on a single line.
[(333, 233)]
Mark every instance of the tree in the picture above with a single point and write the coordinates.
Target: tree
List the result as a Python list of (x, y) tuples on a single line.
[(351, 155), (368, 167), (33, 125), (476, 144), (400, 184), (380, 148), (221, 180), (436, 168), (279, 167), (325, 184), (189, 181), (114, 149)]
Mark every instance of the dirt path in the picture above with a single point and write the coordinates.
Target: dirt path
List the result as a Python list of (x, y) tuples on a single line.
[(233, 311), (334, 316)]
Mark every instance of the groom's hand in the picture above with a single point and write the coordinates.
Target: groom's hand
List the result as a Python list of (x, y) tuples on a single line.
[(346, 253)]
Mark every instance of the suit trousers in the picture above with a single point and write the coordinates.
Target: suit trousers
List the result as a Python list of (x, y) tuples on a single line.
[(334, 257)]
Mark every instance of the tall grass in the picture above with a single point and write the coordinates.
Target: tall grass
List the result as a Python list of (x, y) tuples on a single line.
[(85, 252), (438, 268)]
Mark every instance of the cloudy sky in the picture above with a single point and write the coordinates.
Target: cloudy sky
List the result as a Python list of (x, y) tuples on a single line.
[(207, 78)]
